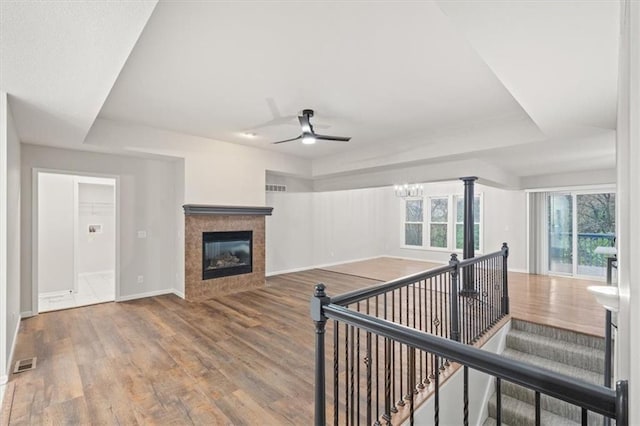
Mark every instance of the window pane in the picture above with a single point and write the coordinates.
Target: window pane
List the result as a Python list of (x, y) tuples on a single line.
[(438, 235), (476, 211), (413, 234), (561, 233), (439, 210), (414, 210), (460, 236), (596, 228)]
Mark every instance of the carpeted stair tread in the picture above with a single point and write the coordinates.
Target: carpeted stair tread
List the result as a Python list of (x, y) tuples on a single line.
[(580, 356), (492, 422), (519, 413), (548, 403), (559, 334), (558, 367)]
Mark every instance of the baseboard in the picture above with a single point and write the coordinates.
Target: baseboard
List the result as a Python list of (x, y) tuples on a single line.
[(56, 293), (417, 259), (143, 295), (26, 314), (320, 266), (178, 293)]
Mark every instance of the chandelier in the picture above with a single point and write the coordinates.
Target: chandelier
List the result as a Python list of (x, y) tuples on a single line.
[(408, 190)]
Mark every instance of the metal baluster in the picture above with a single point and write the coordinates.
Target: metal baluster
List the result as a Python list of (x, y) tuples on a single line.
[(436, 397), (537, 408), (387, 372), (387, 384), (394, 409), (377, 422), (336, 372), (498, 403), (431, 324), (409, 392), (466, 396), (585, 416), (412, 383), (505, 279), (346, 376), (368, 364), (400, 401), (357, 358), (352, 375), (421, 353)]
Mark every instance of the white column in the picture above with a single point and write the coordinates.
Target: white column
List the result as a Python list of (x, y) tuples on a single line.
[(628, 200)]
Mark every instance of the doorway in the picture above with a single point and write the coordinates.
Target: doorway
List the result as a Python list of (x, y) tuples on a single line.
[(75, 240), (579, 223)]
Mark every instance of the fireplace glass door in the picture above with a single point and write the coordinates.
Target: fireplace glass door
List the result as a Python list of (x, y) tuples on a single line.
[(226, 253)]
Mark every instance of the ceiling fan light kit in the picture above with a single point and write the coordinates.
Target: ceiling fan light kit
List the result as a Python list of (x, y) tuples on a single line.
[(308, 136)]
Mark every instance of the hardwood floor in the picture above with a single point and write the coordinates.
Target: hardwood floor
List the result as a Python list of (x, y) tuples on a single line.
[(239, 359)]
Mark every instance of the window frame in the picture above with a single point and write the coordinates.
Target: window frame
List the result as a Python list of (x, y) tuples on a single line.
[(429, 222), (404, 222)]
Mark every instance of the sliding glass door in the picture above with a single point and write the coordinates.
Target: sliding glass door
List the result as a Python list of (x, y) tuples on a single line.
[(578, 224)]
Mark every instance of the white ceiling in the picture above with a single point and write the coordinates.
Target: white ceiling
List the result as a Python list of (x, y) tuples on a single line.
[(529, 87), (59, 60)]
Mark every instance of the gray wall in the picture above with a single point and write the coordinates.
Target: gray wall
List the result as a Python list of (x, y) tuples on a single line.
[(147, 198)]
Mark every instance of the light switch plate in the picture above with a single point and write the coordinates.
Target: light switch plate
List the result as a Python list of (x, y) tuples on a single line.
[(142, 234)]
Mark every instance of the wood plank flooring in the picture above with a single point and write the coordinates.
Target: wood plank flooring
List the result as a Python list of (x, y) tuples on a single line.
[(239, 359)]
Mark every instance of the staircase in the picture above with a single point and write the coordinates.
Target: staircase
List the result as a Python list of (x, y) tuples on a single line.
[(574, 354)]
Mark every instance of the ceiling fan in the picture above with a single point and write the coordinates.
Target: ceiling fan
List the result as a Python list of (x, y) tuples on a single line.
[(308, 136)]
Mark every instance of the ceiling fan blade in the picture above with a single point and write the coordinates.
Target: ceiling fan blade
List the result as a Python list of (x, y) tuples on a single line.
[(305, 124), (332, 138), (288, 140)]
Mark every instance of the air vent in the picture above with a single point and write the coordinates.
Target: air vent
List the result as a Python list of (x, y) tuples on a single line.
[(276, 188), (25, 365)]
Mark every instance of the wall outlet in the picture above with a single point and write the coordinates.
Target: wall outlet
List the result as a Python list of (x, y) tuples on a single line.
[(142, 234), (140, 279)]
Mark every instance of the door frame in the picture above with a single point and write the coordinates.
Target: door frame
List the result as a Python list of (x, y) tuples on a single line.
[(602, 189), (34, 228)]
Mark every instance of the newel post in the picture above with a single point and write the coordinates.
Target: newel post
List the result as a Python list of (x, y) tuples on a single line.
[(505, 284), (453, 297), (318, 301), (622, 403)]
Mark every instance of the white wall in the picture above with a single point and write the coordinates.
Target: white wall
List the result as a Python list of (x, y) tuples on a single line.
[(9, 236), (215, 172), (55, 236), (146, 202), (315, 228), (318, 228), (96, 206)]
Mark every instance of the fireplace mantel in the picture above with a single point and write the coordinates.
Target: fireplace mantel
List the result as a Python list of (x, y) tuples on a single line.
[(191, 209)]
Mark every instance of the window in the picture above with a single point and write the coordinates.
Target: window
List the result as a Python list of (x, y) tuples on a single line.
[(413, 223), (439, 222), (477, 220)]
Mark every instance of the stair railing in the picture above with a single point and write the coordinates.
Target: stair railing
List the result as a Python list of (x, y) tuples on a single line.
[(375, 378), (589, 397)]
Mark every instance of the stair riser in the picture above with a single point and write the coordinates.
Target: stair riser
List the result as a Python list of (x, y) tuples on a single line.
[(558, 334), (588, 359), (548, 403)]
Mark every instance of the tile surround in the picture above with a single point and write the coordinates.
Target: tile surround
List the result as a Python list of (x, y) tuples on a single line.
[(196, 288)]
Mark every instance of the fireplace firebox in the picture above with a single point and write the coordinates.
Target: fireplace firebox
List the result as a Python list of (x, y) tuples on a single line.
[(226, 253)]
